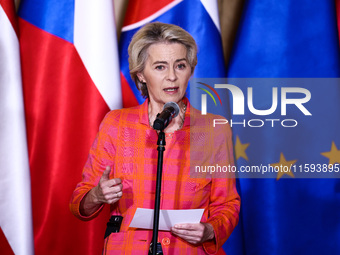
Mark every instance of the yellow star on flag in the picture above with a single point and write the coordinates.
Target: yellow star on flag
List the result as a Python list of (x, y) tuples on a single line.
[(284, 167), (333, 154), (240, 149)]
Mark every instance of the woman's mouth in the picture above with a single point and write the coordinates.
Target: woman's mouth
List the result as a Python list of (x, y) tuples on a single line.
[(171, 90)]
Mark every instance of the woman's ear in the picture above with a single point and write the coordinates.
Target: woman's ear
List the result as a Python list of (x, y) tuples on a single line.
[(141, 77)]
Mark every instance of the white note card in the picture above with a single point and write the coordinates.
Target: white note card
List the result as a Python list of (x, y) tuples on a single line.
[(143, 218)]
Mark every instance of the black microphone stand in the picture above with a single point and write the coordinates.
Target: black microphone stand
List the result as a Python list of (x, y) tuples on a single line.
[(155, 247)]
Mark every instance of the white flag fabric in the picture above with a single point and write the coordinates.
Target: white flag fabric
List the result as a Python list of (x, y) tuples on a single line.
[(15, 191), (95, 29)]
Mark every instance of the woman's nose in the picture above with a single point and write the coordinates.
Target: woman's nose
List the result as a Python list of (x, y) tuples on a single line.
[(172, 74)]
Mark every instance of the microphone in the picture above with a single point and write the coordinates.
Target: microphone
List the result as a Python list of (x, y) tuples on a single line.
[(163, 119)]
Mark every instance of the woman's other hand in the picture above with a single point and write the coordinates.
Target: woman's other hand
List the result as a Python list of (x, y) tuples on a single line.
[(194, 233)]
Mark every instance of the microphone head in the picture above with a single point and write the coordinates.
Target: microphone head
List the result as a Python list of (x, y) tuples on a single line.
[(173, 105), (170, 111)]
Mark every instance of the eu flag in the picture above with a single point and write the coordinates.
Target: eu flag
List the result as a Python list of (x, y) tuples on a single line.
[(286, 214)]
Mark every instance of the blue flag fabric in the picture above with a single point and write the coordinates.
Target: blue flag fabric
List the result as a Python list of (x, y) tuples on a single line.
[(289, 39)]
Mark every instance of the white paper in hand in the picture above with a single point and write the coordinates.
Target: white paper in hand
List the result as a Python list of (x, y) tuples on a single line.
[(143, 218)]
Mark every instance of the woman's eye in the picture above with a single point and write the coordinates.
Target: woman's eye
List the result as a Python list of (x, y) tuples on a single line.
[(181, 66), (159, 68)]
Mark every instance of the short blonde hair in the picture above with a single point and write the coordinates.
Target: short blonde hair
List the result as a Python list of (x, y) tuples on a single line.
[(152, 33)]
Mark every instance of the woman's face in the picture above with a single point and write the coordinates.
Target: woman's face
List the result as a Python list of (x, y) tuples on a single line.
[(166, 73)]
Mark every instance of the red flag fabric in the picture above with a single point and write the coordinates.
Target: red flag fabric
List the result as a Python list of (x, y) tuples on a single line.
[(4, 245), (71, 80)]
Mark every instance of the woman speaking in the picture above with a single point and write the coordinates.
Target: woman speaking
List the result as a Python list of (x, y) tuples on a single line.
[(122, 163)]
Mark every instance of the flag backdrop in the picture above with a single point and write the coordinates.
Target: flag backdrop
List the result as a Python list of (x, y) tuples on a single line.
[(15, 193), (67, 92), (71, 80), (289, 39)]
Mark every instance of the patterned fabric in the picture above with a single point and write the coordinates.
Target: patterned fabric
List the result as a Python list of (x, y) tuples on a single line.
[(127, 143)]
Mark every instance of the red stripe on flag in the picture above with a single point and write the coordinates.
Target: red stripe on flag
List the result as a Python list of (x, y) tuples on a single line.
[(138, 10), (5, 248), (63, 112), (9, 8), (129, 99)]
